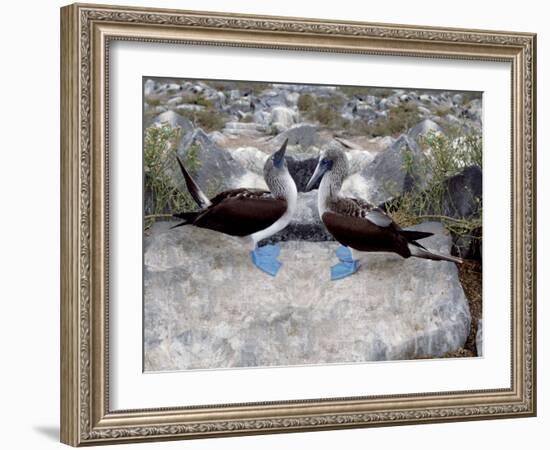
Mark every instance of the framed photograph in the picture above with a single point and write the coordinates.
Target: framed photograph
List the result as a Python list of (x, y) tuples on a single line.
[(281, 224)]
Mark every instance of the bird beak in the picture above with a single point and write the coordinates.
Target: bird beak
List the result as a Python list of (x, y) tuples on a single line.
[(279, 155), (320, 170)]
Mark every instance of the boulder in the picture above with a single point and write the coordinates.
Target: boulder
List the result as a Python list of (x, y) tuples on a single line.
[(272, 98), (206, 306), (292, 98), (214, 168), (250, 158), (240, 105), (473, 110), (387, 176), (244, 129), (187, 107), (464, 193), (358, 160), (149, 88), (173, 119), (423, 128), (282, 118), (458, 99), (303, 134)]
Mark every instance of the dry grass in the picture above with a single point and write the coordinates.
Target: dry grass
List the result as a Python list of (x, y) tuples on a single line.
[(470, 275)]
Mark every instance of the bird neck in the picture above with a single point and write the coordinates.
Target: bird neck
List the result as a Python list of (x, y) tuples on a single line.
[(329, 189), (282, 186)]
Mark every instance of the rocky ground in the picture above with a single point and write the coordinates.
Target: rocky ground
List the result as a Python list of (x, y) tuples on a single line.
[(206, 306), (226, 130)]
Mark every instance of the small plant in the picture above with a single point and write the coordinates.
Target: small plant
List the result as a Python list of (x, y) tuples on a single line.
[(324, 110), (442, 111), (159, 160), (199, 100), (153, 101), (208, 119), (306, 102), (400, 118), (467, 97), (444, 157), (326, 115)]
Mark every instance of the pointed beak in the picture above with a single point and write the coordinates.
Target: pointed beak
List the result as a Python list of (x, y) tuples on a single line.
[(320, 170), (279, 155)]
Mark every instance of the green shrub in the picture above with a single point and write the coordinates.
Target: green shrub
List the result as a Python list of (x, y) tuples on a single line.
[(306, 102), (197, 99), (153, 101), (444, 157), (400, 118), (324, 110), (443, 111), (209, 119), (158, 160)]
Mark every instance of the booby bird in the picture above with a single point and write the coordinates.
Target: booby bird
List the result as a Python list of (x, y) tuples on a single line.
[(357, 224), (251, 214)]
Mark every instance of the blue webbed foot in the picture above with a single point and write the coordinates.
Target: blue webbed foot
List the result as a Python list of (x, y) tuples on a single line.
[(265, 258), (347, 265)]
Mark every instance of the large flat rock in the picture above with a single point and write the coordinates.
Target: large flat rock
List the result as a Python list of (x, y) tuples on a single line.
[(206, 306)]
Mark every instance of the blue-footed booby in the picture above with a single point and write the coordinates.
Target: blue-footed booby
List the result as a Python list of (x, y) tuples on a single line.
[(357, 224), (251, 214)]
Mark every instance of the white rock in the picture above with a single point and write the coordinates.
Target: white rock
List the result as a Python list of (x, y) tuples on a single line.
[(250, 158), (282, 117), (189, 107), (251, 180), (174, 120), (218, 138), (358, 160), (423, 128), (458, 99), (206, 306), (292, 98), (150, 87), (175, 101)]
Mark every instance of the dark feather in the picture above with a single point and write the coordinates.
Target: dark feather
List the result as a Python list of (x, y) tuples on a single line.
[(238, 212), (354, 207), (193, 187), (363, 235), (415, 235)]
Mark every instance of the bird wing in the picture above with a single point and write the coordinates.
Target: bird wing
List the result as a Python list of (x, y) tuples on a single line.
[(241, 212), (362, 209), (240, 193), (364, 235)]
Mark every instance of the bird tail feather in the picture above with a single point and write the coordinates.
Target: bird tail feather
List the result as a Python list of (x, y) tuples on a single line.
[(200, 198), (188, 218), (421, 252), (411, 235)]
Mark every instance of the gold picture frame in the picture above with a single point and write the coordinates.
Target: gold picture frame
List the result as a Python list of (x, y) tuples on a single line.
[(86, 32)]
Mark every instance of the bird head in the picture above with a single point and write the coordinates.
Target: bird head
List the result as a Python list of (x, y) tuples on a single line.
[(276, 161), (332, 159)]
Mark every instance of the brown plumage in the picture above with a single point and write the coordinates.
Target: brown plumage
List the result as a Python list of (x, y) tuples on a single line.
[(238, 212), (364, 235), (358, 224)]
